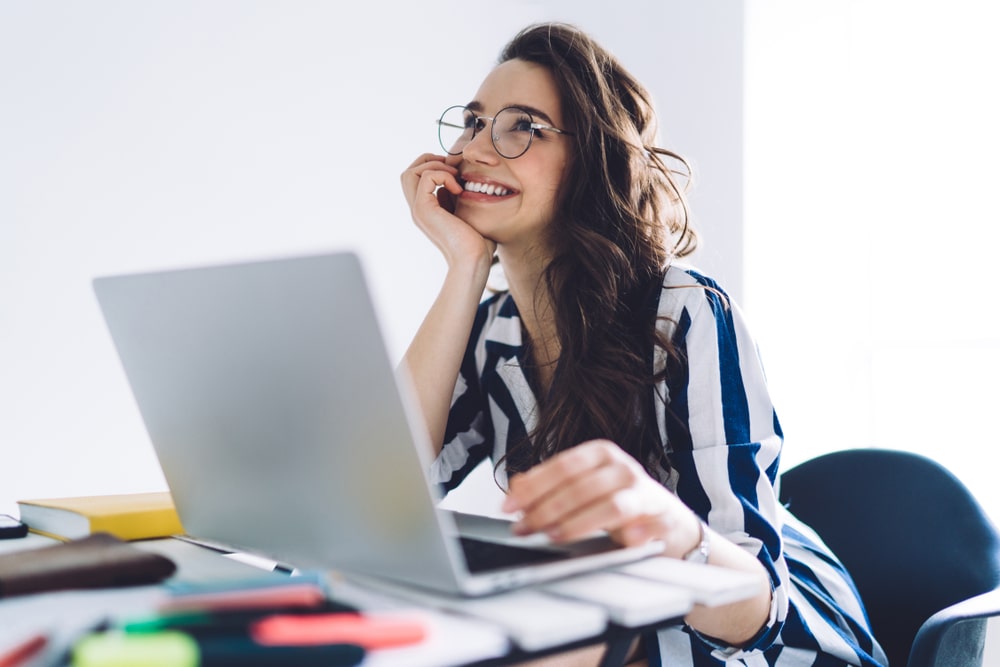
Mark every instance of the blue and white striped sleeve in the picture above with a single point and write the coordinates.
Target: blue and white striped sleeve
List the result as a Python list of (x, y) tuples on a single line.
[(722, 432)]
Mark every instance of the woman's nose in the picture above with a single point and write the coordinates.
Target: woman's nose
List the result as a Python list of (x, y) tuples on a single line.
[(480, 148)]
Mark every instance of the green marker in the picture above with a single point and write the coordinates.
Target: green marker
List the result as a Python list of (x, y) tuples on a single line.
[(175, 621), (161, 649), (178, 649)]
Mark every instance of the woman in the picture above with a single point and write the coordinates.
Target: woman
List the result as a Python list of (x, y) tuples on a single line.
[(613, 389)]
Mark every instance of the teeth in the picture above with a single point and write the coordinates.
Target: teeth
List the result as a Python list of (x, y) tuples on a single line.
[(483, 188)]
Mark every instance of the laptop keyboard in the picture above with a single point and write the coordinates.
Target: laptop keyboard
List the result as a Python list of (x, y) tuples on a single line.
[(481, 556)]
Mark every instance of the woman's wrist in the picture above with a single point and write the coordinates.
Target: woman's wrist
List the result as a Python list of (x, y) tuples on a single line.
[(702, 549), (470, 270)]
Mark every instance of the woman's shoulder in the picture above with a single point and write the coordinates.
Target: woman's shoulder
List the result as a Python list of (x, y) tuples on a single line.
[(678, 274), (686, 287)]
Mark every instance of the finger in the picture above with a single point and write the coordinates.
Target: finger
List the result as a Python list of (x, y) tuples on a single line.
[(433, 182), (417, 169), (412, 175), (586, 503), (569, 496), (528, 488), (426, 158), (415, 173), (611, 512), (423, 194)]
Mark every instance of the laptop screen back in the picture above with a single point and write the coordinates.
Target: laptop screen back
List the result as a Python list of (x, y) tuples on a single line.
[(272, 406)]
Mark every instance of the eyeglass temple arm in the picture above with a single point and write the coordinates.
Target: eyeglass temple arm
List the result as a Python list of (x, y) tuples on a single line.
[(534, 126), (539, 126)]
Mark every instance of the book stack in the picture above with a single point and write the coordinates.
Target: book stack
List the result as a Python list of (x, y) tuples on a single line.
[(128, 516)]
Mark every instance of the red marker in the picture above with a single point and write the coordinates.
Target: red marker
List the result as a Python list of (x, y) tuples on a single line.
[(289, 595), (369, 631), (21, 653)]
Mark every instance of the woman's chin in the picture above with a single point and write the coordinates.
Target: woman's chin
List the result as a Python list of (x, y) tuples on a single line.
[(485, 227)]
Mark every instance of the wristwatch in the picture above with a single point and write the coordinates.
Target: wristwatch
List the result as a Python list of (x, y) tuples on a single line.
[(700, 553)]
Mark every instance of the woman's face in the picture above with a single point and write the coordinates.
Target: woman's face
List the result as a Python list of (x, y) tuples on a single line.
[(517, 213)]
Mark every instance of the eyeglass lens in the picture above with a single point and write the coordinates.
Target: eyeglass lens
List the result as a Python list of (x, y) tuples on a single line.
[(511, 130)]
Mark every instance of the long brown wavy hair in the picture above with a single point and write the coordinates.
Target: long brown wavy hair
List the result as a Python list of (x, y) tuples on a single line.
[(622, 217)]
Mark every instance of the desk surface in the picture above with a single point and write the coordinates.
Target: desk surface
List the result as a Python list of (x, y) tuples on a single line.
[(486, 631)]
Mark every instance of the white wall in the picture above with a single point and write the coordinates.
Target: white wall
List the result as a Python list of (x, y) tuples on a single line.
[(872, 228), (872, 225), (174, 132)]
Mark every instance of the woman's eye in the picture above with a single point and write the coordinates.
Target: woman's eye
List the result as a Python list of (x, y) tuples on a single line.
[(517, 124)]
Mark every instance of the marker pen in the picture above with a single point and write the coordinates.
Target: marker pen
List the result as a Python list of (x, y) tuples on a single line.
[(297, 594), (23, 652), (232, 621), (292, 627), (177, 649), (371, 631)]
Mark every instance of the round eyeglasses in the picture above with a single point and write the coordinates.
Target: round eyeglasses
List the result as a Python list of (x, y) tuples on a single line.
[(511, 132)]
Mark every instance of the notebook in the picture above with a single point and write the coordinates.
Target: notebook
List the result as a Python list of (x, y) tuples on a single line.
[(283, 430)]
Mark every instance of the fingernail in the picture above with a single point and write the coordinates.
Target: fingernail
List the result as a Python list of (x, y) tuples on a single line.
[(509, 505), (520, 528)]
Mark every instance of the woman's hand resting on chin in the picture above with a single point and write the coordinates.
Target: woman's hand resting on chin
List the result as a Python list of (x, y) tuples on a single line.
[(430, 186)]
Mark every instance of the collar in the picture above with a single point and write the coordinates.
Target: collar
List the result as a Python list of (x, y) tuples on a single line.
[(505, 328)]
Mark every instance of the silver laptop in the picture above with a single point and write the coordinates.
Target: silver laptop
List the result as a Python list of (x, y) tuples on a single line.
[(271, 402)]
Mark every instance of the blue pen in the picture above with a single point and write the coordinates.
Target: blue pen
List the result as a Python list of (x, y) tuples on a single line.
[(178, 649)]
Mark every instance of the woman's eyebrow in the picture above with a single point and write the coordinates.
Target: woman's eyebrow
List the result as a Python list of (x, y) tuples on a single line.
[(477, 107), (535, 113)]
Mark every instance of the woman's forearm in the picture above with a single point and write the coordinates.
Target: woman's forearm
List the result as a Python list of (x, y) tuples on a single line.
[(739, 622), (434, 357)]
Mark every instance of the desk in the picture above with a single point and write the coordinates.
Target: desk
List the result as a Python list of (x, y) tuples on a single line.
[(608, 607)]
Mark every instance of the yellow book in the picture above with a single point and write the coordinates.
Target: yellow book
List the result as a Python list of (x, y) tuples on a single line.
[(128, 516)]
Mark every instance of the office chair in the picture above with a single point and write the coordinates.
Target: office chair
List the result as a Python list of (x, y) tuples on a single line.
[(922, 552)]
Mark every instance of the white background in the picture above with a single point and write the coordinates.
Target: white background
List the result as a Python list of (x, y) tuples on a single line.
[(872, 225)]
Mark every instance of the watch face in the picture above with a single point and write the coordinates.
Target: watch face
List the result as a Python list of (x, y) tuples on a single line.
[(700, 553)]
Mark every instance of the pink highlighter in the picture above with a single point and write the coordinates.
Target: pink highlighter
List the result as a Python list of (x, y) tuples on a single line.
[(369, 631)]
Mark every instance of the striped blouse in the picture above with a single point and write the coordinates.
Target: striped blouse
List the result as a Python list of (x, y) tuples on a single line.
[(724, 466)]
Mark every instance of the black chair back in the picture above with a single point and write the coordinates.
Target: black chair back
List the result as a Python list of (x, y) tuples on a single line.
[(912, 536)]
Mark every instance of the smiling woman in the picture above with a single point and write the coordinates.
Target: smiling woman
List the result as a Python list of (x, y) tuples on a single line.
[(529, 185), (613, 388)]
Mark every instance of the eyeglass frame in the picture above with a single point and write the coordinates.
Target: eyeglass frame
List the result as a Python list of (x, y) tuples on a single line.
[(533, 126)]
